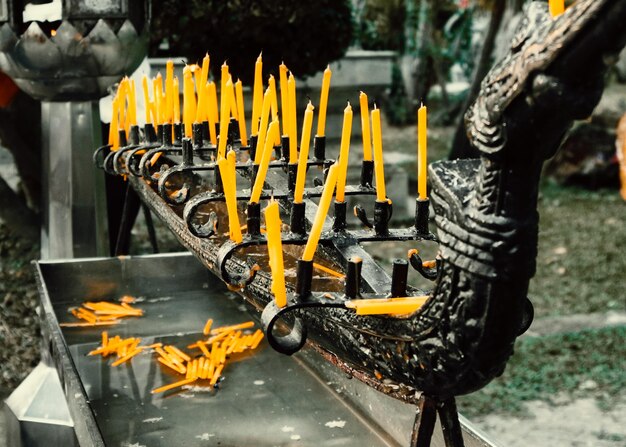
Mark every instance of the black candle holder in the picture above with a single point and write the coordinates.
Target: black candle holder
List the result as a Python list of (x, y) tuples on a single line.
[(284, 148), (399, 277), (178, 134), (339, 224), (367, 173), (304, 278), (159, 133), (422, 211), (254, 218), (149, 133), (382, 215), (319, 147), (219, 186), (298, 218), (292, 173), (133, 135), (187, 151), (353, 278), (254, 139), (122, 138)]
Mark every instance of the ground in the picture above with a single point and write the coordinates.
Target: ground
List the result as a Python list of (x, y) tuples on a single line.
[(565, 386)]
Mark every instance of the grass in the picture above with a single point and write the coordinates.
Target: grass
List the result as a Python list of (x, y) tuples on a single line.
[(581, 364), (582, 252)]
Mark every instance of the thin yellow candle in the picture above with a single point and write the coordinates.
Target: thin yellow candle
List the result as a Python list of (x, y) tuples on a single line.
[(273, 225), (232, 100), (158, 95), (268, 148), (121, 94), (274, 104), (211, 96), (422, 151), (176, 100), (132, 106), (225, 114), (201, 108), (284, 97), (257, 95), (320, 215), (365, 127), (321, 120), (189, 108), (557, 7), (204, 74), (212, 101), (265, 115), (304, 153), (169, 90), (293, 121), (344, 153), (146, 96), (379, 167), (388, 306), (230, 194), (242, 115), (113, 126), (224, 79)]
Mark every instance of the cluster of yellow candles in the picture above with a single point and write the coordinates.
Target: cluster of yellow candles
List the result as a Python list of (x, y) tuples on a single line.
[(124, 111), (103, 313), (200, 102), (225, 341)]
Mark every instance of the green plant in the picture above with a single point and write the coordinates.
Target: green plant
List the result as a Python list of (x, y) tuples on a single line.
[(305, 35)]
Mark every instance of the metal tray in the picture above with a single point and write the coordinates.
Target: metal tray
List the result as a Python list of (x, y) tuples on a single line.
[(266, 399)]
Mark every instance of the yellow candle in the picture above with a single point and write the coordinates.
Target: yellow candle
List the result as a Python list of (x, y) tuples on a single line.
[(284, 97), (268, 148), (210, 95), (212, 102), (365, 126), (242, 115), (158, 97), (274, 104), (379, 167), (176, 100), (169, 90), (321, 120), (189, 114), (133, 104), (293, 122), (257, 95), (232, 100), (225, 114), (422, 151), (113, 135), (557, 7), (224, 79), (121, 94), (200, 111), (320, 215), (230, 194), (265, 115), (388, 306), (204, 75), (146, 96), (304, 153), (273, 225), (344, 153)]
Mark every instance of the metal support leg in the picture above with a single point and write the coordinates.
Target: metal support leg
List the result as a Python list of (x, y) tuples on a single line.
[(424, 423), (449, 418), (74, 204)]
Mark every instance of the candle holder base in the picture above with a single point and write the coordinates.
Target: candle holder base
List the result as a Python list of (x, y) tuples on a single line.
[(304, 277), (298, 218), (319, 147), (367, 173), (253, 146), (339, 224), (284, 148), (422, 213), (399, 277), (254, 218), (292, 172), (382, 216), (353, 278)]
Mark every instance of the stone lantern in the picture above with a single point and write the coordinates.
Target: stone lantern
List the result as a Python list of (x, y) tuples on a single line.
[(68, 64)]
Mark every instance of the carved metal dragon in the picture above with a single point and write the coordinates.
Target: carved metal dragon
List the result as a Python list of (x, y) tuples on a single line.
[(487, 222)]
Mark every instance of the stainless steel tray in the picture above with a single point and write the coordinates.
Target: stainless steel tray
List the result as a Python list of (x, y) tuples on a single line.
[(265, 400)]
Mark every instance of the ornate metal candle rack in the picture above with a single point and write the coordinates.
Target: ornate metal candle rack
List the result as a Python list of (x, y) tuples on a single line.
[(485, 211)]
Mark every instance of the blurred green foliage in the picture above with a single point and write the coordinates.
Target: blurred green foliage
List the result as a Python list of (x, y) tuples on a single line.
[(305, 35)]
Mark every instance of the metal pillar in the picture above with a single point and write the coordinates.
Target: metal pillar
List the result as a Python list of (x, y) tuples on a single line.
[(74, 199)]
